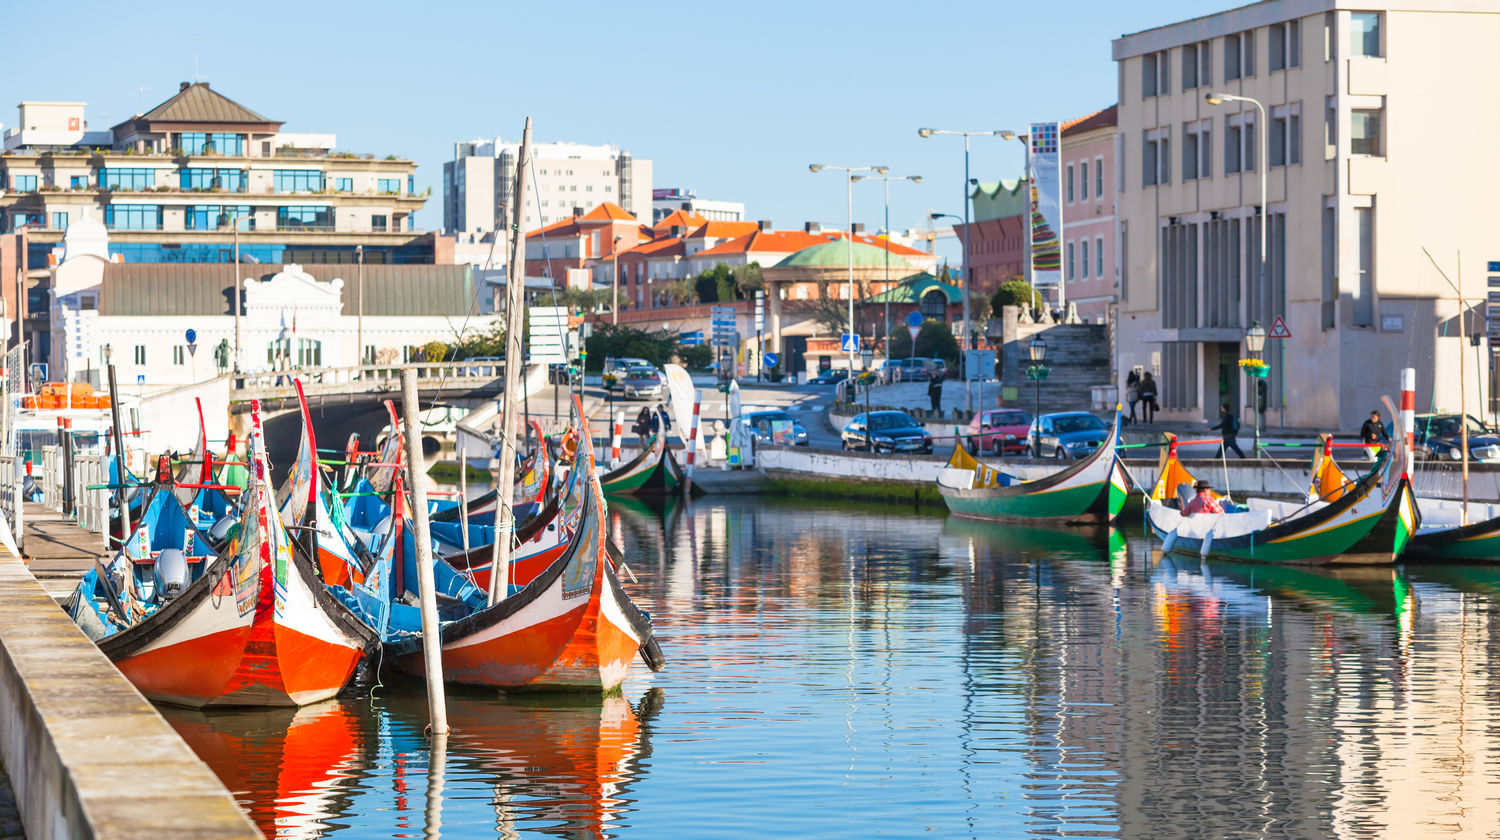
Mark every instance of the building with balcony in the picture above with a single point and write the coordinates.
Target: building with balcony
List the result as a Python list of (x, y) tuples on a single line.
[(1372, 151), (176, 183)]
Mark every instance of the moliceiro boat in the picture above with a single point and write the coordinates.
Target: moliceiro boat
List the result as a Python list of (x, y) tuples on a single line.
[(1366, 522), (654, 472), (1090, 492)]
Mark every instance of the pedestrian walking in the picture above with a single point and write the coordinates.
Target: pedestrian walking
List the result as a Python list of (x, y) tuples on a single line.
[(935, 393), (1229, 427), (1373, 435), (1133, 391), (642, 422), (1148, 397)]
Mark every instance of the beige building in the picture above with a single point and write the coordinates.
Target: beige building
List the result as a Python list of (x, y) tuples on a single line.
[(1377, 147)]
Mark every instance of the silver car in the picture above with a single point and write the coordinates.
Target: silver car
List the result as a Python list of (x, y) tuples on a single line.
[(643, 383)]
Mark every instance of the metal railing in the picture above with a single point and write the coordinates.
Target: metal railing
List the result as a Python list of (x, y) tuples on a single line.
[(12, 503), (66, 487), (365, 378)]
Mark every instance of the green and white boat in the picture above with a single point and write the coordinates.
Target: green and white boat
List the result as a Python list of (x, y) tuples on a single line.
[(1371, 522), (654, 472), (1091, 492)]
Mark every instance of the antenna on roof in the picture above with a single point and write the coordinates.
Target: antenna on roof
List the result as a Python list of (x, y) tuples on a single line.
[(140, 99)]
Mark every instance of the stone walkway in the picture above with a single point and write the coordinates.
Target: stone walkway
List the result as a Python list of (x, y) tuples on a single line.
[(10, 818)]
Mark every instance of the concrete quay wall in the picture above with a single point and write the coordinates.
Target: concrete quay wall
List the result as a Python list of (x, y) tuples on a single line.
[(87, 755)]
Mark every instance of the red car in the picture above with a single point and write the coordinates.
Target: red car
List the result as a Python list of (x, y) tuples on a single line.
[(989, 429)]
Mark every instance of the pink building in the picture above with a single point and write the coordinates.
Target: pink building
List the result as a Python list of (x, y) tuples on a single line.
[(1088, 187)]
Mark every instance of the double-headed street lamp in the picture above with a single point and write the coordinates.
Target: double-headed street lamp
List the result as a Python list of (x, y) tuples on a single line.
[(963, 339), (886, 181), (849, 183)]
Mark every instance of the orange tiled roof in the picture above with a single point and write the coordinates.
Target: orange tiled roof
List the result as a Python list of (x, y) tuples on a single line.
[(608, 212), (680, 218), (670, 246), (895, 247), (723, 230), (1099, 119), (558, 228), (773, 242)]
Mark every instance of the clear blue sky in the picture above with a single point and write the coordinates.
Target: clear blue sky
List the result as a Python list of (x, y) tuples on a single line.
[(732, 100)]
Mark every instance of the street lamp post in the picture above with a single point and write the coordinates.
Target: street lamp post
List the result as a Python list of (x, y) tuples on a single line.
[(928, 132), (1036, 373), (886, 182), (359, 329), (1263, 164), (1255, 342), (849, 183), (867, 354)]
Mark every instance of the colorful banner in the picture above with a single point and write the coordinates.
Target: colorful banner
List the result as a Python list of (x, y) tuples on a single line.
[(1046, 210)]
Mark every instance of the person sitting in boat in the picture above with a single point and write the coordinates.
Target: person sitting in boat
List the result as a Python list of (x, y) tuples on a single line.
[(1204, 502)]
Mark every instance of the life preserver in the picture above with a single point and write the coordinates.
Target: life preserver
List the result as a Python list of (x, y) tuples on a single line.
[(569, 446)]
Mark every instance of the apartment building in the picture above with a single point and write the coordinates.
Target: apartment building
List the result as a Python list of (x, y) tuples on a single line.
[(173, 184), (479, 184), (1088, 207), (1374, 150), (665, 202)]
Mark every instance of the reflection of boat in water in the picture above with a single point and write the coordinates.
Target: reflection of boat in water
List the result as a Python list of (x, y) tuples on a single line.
[(1478, 579), (1370, 590), (294, 770), (1097, 542)]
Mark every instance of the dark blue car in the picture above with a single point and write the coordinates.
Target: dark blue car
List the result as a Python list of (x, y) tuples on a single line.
[(886, 431)]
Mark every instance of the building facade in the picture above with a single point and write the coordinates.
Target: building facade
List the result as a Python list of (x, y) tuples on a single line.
[(1088, 207), (1371, 155), (175, 183), (479, 184), (665, 202)]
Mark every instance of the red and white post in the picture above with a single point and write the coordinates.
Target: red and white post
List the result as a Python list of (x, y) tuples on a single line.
[(1409, 417), (692, 442), (614, 441)]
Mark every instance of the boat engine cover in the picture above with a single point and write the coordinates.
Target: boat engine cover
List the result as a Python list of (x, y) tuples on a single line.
[(170, 574), (221, 529)]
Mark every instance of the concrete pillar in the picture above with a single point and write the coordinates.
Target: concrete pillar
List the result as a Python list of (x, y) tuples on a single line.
[(773, 297)]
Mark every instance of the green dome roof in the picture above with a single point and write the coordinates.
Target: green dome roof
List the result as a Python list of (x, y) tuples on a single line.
[(835, 254)]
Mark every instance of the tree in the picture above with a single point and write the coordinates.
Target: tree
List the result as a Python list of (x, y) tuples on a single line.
[(748, 280), (619, 340), (934, 340), (433, 351), (680, 292), (584, 300), (716, 284), (1014, 292)]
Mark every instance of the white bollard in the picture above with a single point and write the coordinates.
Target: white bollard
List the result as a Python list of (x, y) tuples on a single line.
[(614, 442), (1409, 416), (692, 443)]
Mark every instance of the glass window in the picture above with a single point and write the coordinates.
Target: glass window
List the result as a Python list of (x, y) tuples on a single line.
[(388, 185), (1276, 44), (128, 179), (343, 184), (1070, 184), (1083, 254), (229, 180), (1189, 66), (298, 180), (1231, 57), (1083, 181), (1278, 141), (1248, 159), (179, 355), (1098, 256), (1294, 43), (294, 217), (1148, 163), (1148, 75), (214, 216), (23, 183), (1070, 261), (1247, 53), (1364, 300), (1294, 139), (1364, 34), (140, 355), (79, 182), (59, 221), (1364, 132), (132, 217), (211, 143), (1189, 155), (1098, 178), (377, 222)]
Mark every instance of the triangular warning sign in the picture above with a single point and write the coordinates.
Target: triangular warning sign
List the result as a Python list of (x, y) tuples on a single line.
[(1278, 329)]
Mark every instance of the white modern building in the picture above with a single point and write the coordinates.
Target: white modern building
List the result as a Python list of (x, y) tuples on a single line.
[(665, 202), (1377, 152), (479, 184), (291, 316)]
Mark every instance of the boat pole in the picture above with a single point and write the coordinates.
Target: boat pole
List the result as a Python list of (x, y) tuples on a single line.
[(120, 472), (432, 643), (515, 302), (463, 497)]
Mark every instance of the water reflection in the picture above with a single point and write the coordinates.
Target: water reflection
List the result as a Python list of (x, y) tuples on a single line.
[(841, 672)]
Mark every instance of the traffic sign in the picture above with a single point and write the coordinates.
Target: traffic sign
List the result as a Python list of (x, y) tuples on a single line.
[(848, 342), (914, 320), (1278, 329), (913, 331), (771, 359), (980, 364), (192, 336)]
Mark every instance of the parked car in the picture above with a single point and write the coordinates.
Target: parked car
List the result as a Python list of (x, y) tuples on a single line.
[(1440, 436), (1066, 434), (936, 368), (889, 431), (832, 376), (642, 383), (760, 424), (908, 370), (616, 367), (999, 429)]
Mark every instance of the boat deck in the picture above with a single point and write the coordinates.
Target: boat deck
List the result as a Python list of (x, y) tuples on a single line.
[(60, 550)]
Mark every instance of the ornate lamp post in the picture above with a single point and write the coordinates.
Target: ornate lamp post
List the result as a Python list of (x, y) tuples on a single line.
[(1036, 373), (1255, 368), (866, 356)]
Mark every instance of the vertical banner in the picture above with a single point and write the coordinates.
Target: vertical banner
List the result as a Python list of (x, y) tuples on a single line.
[(1046, 213)]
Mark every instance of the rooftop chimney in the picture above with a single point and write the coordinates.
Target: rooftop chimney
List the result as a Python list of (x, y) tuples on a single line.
[(577, 211), (765, 225), (813, 227), (182, 86)]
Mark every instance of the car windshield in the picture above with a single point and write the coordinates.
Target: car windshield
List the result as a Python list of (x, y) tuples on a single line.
[(768, 417), (1010, 418), (1077, 423), (890, 421), (1447, 426), (642, 373)]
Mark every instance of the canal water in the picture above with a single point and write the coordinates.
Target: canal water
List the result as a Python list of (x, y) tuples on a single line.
[(852, 671)]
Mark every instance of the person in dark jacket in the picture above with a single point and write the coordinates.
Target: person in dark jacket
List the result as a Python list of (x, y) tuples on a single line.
[(1229, 427), (1373, 435), (642, 422), (1132, 392), (935, 393), (1148, 397)]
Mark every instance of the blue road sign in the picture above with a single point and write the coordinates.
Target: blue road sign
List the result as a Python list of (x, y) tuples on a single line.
[(192, 336), (914, 319), (771, 359), (848, 343)]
